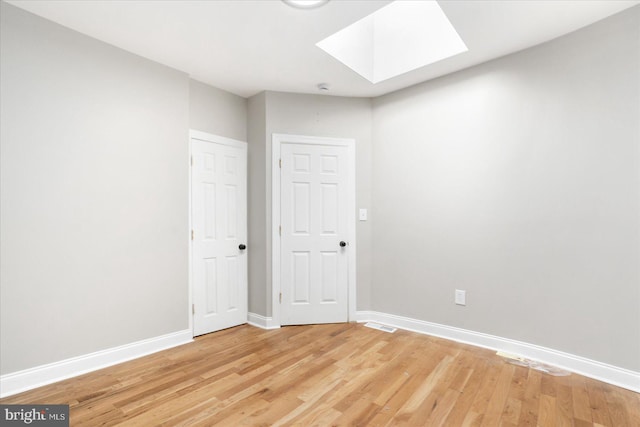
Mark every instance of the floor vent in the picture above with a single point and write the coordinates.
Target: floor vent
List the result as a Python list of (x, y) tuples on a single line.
[(379, 327)]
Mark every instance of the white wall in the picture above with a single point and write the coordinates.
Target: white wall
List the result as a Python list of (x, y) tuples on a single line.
[(518, 181), (93, 191), (217, 111)]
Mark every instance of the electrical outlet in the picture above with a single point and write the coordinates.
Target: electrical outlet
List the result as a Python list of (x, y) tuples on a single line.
[(363, 214), (461, 297)]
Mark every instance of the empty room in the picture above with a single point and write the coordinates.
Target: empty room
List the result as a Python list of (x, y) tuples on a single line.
[(320, 213)]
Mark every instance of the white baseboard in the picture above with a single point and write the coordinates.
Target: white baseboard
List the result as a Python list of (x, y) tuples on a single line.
[(589, 368), (261, 321), (28, 379)]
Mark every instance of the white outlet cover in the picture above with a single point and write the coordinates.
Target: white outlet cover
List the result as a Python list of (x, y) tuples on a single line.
[(363, 214), (461, 297)]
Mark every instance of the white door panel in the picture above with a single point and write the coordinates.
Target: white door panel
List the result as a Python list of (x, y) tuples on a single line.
[(314, 220), (219, 266)]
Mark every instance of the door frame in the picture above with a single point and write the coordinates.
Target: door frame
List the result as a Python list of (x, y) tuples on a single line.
[(216, 139), (277, 139)]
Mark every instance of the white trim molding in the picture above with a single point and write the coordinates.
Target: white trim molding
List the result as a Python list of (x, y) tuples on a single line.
[(28, 379), (209, 137), (260, 321), (580, 365)]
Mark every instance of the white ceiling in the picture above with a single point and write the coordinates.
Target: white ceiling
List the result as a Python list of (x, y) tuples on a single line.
[(247, 46)]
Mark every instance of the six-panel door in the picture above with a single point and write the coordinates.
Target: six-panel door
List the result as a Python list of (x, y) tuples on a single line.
[(313, 209), (219, 212)]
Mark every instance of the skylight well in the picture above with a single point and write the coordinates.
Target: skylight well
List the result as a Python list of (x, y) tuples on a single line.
[(400, 37)]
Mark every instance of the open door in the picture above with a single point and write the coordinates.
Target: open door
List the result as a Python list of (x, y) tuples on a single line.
[(219, 232)]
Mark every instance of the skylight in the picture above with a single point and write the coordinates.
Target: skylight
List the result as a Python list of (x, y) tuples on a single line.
[(400, 37)]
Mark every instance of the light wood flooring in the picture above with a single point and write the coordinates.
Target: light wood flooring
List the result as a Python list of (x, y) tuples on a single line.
[(333, 375)]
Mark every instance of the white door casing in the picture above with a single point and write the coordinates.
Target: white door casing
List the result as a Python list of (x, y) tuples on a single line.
[(219, 228), (313, 212)]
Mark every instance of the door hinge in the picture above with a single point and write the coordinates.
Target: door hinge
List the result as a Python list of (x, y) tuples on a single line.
[(191, 234), (280, 230), (191, 160), (193, 309), (280, 297), (280, 163)]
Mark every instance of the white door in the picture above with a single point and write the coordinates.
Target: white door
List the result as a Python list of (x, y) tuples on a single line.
[(315, 237), (219, 232)]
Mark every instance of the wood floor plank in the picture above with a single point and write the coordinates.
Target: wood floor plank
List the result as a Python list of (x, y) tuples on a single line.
[(472, 419), (417, 372), (580, 400), (468, 394), (443, 408), (599, 410), (547, 411), (312, 398), (321, 415), (439, 395), (481, 401), (389, 382), (515, 397), (564, 406), (511, 413), (332, 375), (427, 386), (549, 385), (631, 404), (531, 402), (499, 397)]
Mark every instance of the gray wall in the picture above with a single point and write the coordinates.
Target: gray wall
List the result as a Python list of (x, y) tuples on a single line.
[(518, 181), (93, 191), (315, 115), (217, 111), (257, 205)]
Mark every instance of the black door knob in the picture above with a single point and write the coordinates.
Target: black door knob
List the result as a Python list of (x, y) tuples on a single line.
[(343, 244), (242, 246)]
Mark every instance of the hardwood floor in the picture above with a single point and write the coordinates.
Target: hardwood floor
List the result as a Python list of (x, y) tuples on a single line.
[(333, 375)]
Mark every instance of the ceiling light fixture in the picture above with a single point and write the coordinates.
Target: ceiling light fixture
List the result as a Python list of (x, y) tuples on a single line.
[(305, 4)]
